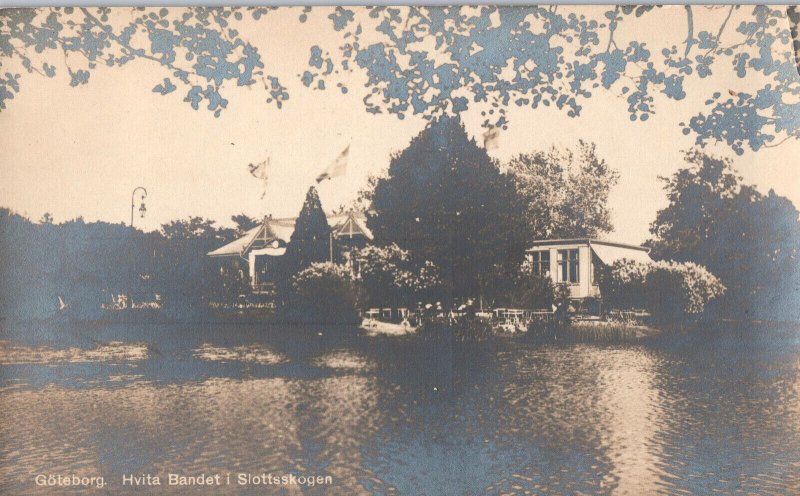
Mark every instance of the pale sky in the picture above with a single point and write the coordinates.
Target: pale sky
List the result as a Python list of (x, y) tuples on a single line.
[(81, 151)]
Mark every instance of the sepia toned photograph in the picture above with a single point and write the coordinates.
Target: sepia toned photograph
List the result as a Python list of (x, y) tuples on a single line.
[(445, 250)]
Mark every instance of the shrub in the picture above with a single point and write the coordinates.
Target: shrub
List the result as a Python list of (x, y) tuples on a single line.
[(622, 284), (669, 290), (523, 288), (324, 293), (685, 288), (389, 275), (561, 298), (468, 331)]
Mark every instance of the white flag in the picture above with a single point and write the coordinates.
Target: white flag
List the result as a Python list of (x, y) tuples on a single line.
[(491, 139), (259, 171), (337, 168)]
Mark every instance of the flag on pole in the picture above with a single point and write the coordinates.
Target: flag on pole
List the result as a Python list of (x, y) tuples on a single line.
[(337, 168), (491, 139), (259, 171)]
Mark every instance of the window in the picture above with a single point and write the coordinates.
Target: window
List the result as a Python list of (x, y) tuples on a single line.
[(568, 265), (540, 260)]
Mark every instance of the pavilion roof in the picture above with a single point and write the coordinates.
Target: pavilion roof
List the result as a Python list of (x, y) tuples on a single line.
[(347, 224)]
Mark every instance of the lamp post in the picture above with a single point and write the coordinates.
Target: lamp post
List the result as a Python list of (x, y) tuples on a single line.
[(142, 208)]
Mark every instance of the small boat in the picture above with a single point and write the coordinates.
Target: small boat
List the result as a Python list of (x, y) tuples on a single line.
[(374, 327), (510, 327)]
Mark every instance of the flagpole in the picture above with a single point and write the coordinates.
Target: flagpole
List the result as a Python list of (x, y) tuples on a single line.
[(336, 169)]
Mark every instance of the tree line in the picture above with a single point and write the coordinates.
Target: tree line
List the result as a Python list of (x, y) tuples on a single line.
[(87, 264), (445, 209), (450, 224)]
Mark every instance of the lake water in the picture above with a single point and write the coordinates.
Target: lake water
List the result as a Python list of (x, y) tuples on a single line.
[(702, 413)]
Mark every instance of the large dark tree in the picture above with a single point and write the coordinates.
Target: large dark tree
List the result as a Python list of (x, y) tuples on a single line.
[(446, 201), (310, 241), (749, 240)]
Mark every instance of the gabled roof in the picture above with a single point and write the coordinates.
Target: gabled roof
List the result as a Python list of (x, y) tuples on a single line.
[(261, 235), (281, 229), (349, 224), (238, 246)]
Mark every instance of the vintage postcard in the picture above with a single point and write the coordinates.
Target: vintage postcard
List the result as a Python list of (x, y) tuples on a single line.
[(403, 250)]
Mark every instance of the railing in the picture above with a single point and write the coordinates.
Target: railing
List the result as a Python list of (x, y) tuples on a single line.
[(261, 288), (121, 302), (632, 317), (218, 305)]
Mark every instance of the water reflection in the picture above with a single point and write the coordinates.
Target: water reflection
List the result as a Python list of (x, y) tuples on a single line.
[(254, 353), (115, 351), (632, 413), (344, 360), (391, 416), (560, 410), (218, 425)]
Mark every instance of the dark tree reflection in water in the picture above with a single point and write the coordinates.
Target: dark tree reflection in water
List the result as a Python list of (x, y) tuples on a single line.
[(711, 412)]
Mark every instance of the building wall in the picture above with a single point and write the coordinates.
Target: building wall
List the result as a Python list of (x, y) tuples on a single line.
[(584, 287), (585, 270)]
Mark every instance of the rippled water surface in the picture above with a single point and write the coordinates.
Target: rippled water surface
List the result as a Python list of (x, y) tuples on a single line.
[(709, 412)]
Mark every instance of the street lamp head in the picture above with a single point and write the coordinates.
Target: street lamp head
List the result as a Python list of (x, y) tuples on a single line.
[(142, 208)]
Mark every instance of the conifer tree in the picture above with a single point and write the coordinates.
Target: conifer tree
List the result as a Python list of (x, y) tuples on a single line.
[(310, 241)]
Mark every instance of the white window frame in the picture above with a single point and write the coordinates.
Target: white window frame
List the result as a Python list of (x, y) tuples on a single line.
[(541, 267), (569, 267)]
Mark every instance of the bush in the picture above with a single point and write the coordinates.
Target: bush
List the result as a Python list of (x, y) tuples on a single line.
[(669, 290), (522, 288), (561, 298), (390, 276), (622, 284), (324, 293), (468, 331)]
